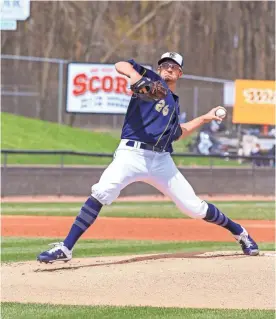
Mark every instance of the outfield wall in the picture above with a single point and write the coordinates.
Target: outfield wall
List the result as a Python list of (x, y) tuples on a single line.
[(77, 181)]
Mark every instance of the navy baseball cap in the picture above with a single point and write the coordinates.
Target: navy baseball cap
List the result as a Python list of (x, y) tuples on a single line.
[(176, 57)]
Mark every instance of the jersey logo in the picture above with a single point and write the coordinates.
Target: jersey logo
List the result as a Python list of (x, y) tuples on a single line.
[(161, 107)]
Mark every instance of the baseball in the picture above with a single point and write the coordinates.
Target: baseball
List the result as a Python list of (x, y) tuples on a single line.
[(220, 113)]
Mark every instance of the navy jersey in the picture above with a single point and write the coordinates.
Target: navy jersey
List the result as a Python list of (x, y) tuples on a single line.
[(155, 122)]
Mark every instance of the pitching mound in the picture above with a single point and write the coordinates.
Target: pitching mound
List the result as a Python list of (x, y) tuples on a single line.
[(205, 280)]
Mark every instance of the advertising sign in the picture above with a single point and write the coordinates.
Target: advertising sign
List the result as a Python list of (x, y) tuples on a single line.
[(8, 25), (254, 102), (15, 9), (96, 88)]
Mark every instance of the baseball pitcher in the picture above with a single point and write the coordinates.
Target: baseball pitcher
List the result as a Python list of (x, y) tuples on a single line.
[(144, 154)]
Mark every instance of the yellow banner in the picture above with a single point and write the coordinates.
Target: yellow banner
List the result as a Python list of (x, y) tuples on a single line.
[(254, 102)]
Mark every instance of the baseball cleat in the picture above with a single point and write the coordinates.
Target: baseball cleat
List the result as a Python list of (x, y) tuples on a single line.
[(248, 245), (58, 253)]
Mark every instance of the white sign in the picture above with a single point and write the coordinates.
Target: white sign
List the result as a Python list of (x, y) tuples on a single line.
[(10, 25), (15, 9), (229, 94), (96, 88)]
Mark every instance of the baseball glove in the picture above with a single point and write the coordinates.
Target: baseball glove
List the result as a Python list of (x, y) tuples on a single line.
[(149, 90)]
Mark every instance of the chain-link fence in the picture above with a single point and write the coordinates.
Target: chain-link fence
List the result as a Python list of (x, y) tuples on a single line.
[(33, 87), (36, 87)]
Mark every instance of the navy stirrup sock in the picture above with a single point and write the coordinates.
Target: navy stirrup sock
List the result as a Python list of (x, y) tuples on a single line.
[(215, 216), (86, 217)]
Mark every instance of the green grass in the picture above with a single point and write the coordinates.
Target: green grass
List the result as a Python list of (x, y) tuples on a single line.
[(20, 132), (234, 210), (35, 311), (20, 249)]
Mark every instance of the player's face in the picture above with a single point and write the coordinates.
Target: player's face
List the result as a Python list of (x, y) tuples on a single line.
[(170, 71)]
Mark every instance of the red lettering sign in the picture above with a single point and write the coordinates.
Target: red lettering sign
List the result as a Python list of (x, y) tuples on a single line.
[(79, 84), (94, 84)]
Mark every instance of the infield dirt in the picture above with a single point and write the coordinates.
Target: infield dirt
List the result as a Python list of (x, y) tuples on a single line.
[(133, 228)]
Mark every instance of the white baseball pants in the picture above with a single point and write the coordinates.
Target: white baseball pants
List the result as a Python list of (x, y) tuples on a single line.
[(132, 164)]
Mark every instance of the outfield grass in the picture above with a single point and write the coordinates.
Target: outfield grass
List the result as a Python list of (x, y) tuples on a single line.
[(20, 132), (234, 210), (22, 249), (36, 311)]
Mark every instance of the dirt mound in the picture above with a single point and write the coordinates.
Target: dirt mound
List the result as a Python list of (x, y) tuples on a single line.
[(209, 280)]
